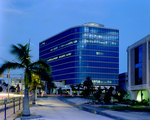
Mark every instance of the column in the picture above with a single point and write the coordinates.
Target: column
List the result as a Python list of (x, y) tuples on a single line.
[(133, 94), (129, 68), (147, 65), (148, 90)]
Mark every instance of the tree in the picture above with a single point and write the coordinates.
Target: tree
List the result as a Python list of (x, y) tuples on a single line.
[(97, 95), (12, 89), (46, 76), (4, 84), (1, 89), (60, 90), (36, 82), (24, 62), (50, 86), (88, 86), (108, 94), (121, 94), (78, 88)]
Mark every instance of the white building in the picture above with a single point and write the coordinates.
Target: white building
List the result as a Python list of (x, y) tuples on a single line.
[(138, 58)]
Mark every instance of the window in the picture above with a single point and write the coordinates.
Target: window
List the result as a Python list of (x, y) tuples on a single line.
[(138, 65)]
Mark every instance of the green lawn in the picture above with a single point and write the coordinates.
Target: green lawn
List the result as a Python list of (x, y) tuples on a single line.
[(42, 96), (9, 102)]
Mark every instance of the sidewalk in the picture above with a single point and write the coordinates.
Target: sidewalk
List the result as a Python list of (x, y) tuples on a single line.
[(10, 113), (126, 115), (55, 108), (9, 105)]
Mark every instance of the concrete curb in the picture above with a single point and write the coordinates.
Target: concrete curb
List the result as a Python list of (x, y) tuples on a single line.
[(30, 117), (90, 109)]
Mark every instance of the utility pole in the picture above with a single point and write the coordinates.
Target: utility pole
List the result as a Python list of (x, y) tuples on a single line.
[(21, 82), (8, 84)]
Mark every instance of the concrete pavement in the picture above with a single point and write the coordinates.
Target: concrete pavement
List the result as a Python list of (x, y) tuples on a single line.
[(54, 109), (121, 115), (10, 113), (10, 110)]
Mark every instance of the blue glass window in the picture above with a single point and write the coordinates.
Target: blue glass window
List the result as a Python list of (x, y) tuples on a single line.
[(83, 51), (138, 65)]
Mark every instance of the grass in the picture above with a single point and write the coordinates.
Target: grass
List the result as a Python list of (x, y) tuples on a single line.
[(20, 115), (9, 102), (88, 97), (42, 96), (138, 108), (67, 96)]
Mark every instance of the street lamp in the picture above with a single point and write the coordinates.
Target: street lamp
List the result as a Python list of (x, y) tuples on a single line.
[(8, 84)]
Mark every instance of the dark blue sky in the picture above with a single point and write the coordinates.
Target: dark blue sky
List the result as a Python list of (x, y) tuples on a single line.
[(21, 20)]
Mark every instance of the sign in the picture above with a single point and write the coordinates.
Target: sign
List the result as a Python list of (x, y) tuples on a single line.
[(93, 24)]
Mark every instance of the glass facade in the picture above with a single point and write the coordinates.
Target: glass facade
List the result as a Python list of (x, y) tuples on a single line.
[(138, 65), (123, 81), (83, 51)]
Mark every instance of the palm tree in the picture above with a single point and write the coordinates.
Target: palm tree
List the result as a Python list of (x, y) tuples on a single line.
[(1, 89), (36, 82), (88, 85), (50, 86), (12, 89), (46, 76), (24, 62)]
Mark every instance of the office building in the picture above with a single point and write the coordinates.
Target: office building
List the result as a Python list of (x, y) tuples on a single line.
[(139, 68), (86, 50), (123, 81)]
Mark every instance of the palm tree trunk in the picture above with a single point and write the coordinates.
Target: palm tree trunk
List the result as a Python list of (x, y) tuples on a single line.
[(78, 93), (46, 88), (36, 93), (26, 110), (33, 102), (51, 91)]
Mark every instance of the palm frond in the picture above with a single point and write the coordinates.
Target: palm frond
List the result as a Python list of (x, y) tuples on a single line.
[(43, 74), (10, 65), (41, 64), (22, 53)]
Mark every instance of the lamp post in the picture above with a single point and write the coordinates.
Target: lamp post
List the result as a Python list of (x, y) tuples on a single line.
[(8, 84), (96, 85)]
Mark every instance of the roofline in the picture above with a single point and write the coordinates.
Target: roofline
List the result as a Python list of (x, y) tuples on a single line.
[(75, 27), (123, 73), (138, 43)]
